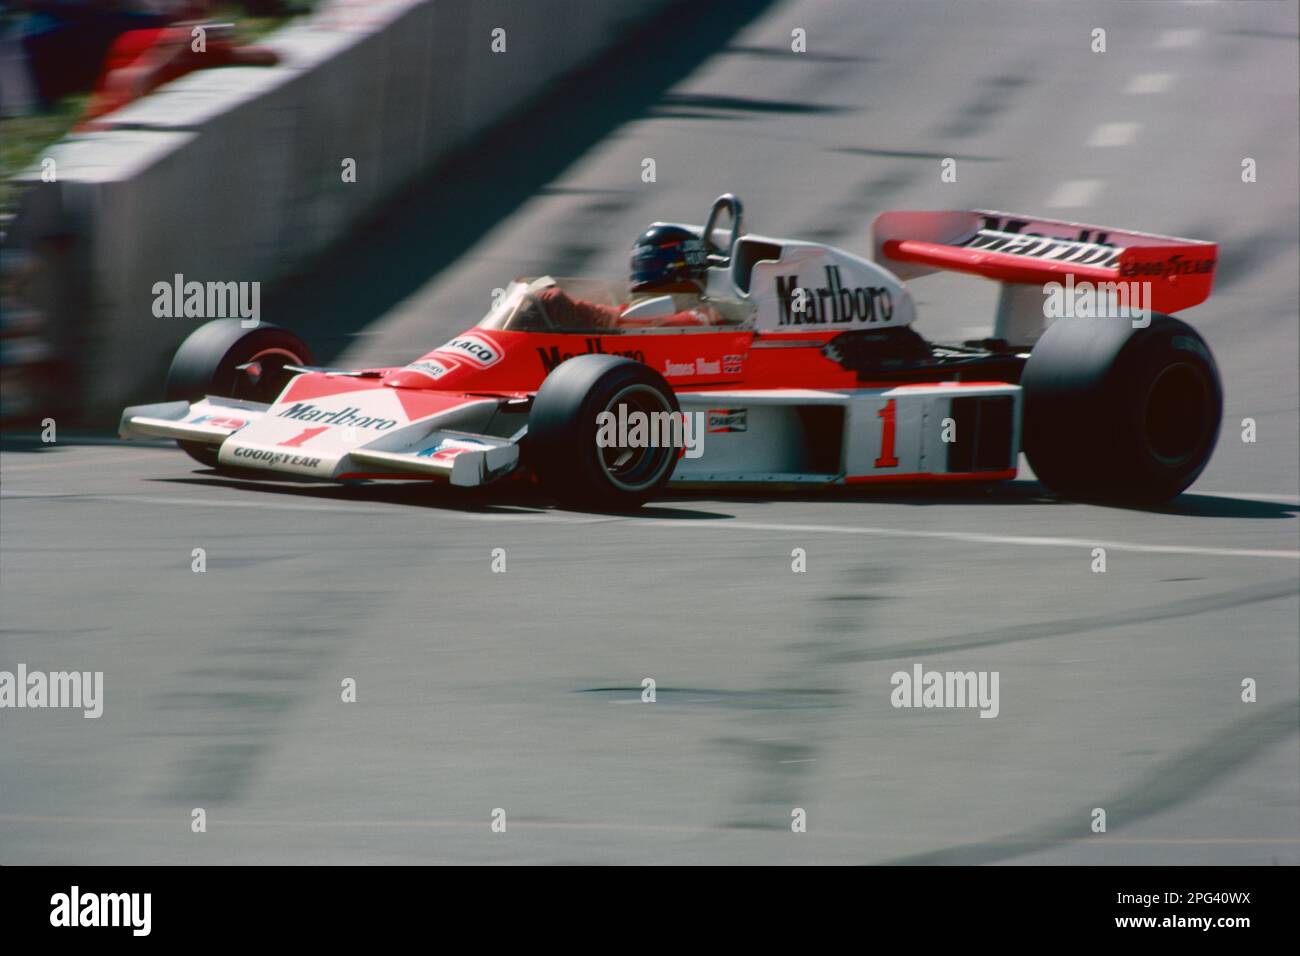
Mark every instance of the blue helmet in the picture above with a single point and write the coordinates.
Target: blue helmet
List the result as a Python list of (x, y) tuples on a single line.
[(667, 255)]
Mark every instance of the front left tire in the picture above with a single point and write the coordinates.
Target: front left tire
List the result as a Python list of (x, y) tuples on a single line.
[(224, 359)]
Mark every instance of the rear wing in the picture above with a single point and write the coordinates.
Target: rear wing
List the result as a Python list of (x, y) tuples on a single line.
[(1019, 250)]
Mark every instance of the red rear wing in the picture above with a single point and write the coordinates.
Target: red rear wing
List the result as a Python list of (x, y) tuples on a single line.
[(1018, 249)]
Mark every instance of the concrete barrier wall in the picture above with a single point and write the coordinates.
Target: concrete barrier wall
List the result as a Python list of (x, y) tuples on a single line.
[(234, 174)]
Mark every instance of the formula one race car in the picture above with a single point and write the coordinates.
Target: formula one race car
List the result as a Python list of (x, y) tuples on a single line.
[(786, 363)]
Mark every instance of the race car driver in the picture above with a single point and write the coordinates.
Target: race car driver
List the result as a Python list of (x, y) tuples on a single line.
[(666, 260)]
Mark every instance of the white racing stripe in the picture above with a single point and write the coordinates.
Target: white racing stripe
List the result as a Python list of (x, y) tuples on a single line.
[(553, 517)]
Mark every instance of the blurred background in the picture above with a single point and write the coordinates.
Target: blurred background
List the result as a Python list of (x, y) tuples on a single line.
[(149, 139), (474, 165), (63, 65)]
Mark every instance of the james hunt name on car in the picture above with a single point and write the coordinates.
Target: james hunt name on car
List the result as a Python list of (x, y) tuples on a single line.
[(699, 366), (833, 303)]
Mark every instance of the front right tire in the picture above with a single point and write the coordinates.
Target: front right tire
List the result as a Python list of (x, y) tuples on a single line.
[(562, 442)]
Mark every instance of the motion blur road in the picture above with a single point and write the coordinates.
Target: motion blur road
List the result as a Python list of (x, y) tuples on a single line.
[(522, 690)]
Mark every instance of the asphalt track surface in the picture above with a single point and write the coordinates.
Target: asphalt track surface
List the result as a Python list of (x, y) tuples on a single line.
[(522, 690)]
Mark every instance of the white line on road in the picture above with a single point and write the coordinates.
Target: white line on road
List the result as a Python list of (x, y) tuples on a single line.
[(52, 460), (1146, 83), (376, 509), (202, 503), (1178, 39), (972, 537), (1074, 193), (296, 823), (552, 517), (1250, 495), (1114, 134)]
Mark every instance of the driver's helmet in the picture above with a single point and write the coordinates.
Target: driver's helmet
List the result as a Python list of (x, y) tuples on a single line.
[(668, 258)]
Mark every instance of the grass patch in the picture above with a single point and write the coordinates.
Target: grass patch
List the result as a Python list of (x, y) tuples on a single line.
[(24, 138)]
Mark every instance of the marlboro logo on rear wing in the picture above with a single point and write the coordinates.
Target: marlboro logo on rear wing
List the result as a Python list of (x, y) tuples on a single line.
[(1021, 250)]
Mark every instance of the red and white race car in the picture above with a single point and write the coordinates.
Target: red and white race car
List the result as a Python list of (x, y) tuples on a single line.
[(795, 364)]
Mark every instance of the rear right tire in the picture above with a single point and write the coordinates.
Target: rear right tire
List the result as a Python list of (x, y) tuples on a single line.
[(1114, 413)]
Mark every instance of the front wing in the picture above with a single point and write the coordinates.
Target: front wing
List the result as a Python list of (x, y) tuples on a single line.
[(418, 450)]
